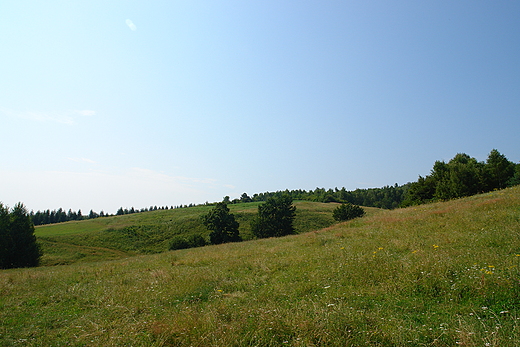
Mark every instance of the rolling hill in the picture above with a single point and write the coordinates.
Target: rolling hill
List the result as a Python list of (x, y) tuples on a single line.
[(443, 274), (151, 232)]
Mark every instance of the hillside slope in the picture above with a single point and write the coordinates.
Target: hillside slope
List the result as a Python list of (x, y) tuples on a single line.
[(151, 232), (443, 274)]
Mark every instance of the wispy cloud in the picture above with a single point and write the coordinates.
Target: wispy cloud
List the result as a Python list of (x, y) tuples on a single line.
[(66, 117), (131, 25)]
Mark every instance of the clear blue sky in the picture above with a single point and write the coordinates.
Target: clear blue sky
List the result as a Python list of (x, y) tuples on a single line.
[(136, 103)]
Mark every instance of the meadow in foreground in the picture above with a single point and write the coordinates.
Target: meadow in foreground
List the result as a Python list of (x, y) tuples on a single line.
[(444, 274)]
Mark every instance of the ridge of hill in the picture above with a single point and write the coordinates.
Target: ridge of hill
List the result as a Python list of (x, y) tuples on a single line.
[(151, 232), (441, 274)]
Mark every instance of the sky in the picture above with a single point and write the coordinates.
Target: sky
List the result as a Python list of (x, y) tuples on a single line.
[(108, 104)]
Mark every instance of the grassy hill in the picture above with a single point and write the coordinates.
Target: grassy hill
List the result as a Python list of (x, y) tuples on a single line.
[(444, 274), (151, 232)]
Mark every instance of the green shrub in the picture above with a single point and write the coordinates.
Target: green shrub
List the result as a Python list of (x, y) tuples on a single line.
[(196, 240), (190, 241), (347, 211)]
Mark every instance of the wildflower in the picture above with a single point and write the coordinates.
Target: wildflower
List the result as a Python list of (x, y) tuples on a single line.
[(435, 246), (415, 251), (219, 290)]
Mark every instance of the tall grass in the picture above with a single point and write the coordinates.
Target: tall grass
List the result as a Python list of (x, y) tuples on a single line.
[(444, 274)]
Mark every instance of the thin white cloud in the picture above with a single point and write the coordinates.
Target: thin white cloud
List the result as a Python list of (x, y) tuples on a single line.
[(67, 117), (131, 25)]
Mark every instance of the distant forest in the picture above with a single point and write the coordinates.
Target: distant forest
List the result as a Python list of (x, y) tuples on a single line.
[(461, 176)]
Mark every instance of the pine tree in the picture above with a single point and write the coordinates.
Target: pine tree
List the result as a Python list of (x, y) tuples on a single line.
[(18, 243)]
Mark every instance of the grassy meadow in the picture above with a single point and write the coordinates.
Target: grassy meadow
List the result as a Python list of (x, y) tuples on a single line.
[(116, 237), (443, 274)]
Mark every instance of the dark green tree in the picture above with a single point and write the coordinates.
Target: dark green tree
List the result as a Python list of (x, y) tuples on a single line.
[(245, 198), (275, 217), (347, 211), (499, 170), (420, 192), (18, 244), (223, 226)]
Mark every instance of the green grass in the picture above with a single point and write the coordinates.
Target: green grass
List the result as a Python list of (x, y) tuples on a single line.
[(151, 232), (444, 274)]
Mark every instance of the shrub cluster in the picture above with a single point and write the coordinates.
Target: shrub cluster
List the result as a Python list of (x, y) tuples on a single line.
[(347, 211), (189, 241)]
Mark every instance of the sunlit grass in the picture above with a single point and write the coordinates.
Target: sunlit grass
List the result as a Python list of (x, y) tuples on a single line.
[(444, 274), (152, 232)]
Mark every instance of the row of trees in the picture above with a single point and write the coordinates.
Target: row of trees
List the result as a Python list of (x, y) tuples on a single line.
[(60, 216), (18, 246), (463, 176), (388, 197)]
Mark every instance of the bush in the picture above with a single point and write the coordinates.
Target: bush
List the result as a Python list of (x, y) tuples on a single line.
[(347, 211), (190, 241)]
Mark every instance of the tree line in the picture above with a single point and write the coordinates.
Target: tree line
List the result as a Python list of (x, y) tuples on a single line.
[(60, 216), (463, 176), (387, 197)]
